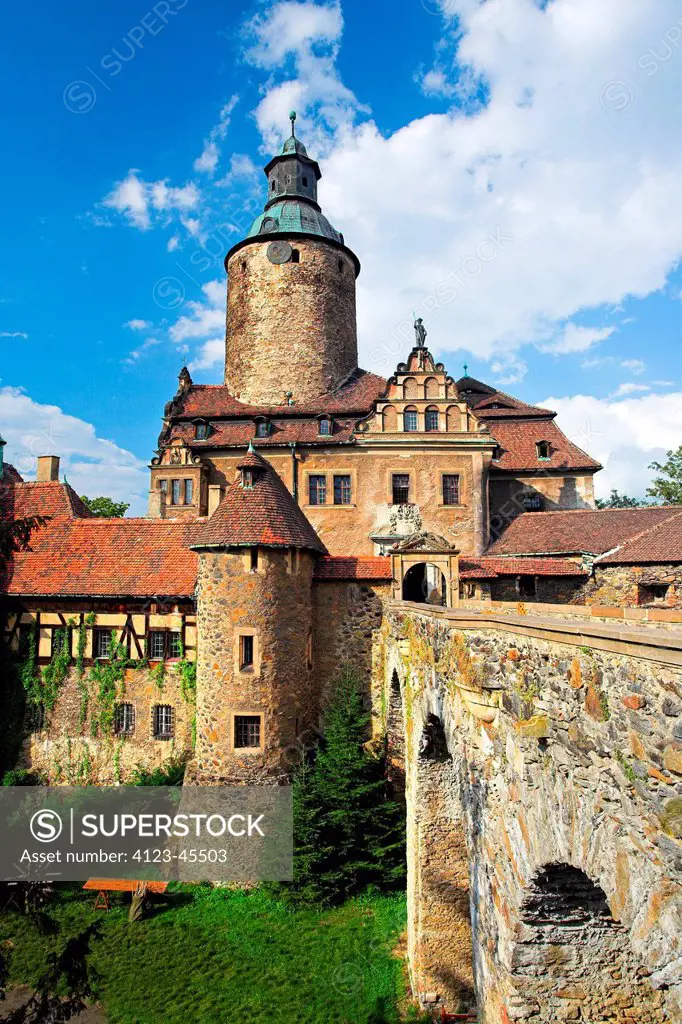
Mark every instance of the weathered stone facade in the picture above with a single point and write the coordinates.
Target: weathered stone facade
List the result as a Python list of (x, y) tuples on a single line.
[(562, 762), (290, 326), (235, 600), (631, 585)]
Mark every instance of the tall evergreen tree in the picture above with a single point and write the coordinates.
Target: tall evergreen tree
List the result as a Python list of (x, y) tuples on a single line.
[(349, 834)]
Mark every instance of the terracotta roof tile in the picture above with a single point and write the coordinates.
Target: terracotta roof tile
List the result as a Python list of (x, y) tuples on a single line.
[(659, 543), (263, 514), (484, 398), (342, 568), (10, 475), (482, 568), (49, 498), (589, 531), (238, 433), (105, 558), (517, 439)]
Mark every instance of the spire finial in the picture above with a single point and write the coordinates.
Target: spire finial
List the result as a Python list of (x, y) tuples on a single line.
[(466, 370), (292, 118), (251, 450)]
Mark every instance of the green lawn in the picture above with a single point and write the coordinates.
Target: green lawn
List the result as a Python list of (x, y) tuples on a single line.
[(218, 957)]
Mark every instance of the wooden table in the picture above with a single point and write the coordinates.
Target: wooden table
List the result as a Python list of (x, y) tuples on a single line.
[(103, 886)]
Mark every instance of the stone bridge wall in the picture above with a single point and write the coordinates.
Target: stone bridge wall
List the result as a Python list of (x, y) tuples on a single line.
[(544, 799)]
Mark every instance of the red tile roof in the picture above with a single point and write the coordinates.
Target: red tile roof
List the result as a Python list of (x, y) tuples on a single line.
[(50, 498), (211, 401), (589, 531), (10, 475), (489, 403), (659, 543), (342, 568), (238, 433), (483, 568), (517, 440), (262, 515), (105, 558)]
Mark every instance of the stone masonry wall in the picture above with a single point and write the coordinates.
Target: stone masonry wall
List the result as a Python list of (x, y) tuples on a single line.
[(618, 585), (290, 326), (563, 757), (273, 602)]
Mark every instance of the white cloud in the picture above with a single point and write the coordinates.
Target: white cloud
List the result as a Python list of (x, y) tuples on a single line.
[(629, 388), (625, 436), (635, 366), (136, 353), (205, 324), (577, 339), (585, 198), (138, 325), (208, 161), (140, 201), (92, 464), (13, 334), (173, 243), (242, 169)]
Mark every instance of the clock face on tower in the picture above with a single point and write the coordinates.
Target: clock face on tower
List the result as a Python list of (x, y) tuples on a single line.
[(279, 252)]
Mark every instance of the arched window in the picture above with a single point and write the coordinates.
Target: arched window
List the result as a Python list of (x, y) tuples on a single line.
[(542, 448), (305, 181), (262, 428), (390, 418), (431, 387), (453, 419), (410, 388), (431, 419), (410, 420), (325, 426), (295, 256)]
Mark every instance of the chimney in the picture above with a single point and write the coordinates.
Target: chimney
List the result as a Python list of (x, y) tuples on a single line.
[(215, 494), (157, 504), (48, 468)]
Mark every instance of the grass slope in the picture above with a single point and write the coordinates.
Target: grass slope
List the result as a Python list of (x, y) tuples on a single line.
[(219, 957)]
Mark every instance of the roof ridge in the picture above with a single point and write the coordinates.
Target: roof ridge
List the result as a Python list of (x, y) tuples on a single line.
[(638, 536)]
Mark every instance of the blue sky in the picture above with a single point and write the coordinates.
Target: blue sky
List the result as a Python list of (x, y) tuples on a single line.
[(509, 169)]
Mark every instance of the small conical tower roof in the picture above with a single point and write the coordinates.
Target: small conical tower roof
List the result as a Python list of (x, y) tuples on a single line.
[(258, 511)]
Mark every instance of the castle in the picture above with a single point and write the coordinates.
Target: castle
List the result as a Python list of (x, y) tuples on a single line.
[(287, 507)]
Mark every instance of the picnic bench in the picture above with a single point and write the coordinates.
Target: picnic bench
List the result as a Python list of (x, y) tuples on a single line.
[(103, 886)]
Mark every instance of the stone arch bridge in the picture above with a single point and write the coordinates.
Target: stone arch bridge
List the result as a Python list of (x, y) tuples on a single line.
[(543, 775)]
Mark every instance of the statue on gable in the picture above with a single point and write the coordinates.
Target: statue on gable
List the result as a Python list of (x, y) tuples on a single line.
[(420, 332)]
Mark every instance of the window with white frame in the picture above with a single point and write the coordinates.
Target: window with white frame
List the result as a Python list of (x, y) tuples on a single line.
[(247, 731), (163, 722), (124, 719), (102, 643)]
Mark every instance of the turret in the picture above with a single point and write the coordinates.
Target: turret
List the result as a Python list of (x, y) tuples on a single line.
[(255, 692), (291, 316)]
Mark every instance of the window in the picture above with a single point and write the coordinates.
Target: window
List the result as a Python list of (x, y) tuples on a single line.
[(163, 724), (317, 490), (653, 593), (467, 589), (401, 488), (176, 491), (305, 181), (273, 185), (247, 731), (163, 644), (102, 643), (340, 266), (201, 432), (450, 489), (342, 490), (189, 491), (61, 640), (431, 419), (124, 719), (245, 653), (542, 449), (163, 486), (262, 428), (527, 586), (532, 502), (325, 426), (410, 420), (295, 256), (254, 559)]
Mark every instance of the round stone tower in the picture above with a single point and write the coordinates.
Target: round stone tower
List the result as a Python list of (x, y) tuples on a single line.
[(291, 318), (255, 681)]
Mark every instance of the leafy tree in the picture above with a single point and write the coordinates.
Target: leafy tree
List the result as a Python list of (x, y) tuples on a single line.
[(617, 500), (106, 508), (349, 835), (669, 490), (16, 533)]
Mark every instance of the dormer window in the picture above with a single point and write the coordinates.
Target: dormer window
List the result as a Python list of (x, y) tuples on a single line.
[(325, 426), (262, 428), (201, 431), (542, 449)]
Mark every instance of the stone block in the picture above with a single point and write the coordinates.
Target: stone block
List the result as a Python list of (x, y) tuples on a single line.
[(672, 759), (595, 705), (537, 727), (634, 701)]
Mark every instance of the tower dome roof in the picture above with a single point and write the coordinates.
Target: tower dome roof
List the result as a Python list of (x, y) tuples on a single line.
[(258, 511)]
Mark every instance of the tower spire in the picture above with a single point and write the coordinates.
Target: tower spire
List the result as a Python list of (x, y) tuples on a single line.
[(292, 118)]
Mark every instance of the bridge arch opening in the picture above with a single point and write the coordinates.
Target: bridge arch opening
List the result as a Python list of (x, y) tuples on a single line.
[(424, 583), (574, 960)]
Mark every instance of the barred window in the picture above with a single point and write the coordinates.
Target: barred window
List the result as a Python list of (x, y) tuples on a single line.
[(410, 420), (450, 489), (157, 645), (342, 490), (102, 643), (247, 731), (163, 722), (431, 419), (317, 490), (401, 488), (124, 719)]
